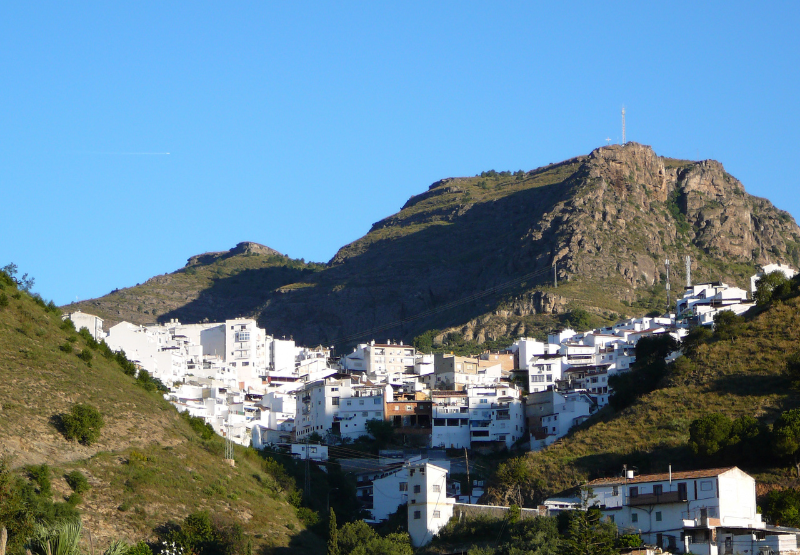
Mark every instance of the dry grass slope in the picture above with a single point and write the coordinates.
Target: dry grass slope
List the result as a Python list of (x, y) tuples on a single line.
[(148, 466)]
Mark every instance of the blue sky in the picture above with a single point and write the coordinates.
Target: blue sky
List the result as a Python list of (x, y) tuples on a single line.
[(298, 125)]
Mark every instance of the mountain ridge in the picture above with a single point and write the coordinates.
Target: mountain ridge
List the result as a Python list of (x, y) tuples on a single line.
[(607, 220)]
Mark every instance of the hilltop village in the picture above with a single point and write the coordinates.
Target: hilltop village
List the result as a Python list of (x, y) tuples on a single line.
[(259, 390)]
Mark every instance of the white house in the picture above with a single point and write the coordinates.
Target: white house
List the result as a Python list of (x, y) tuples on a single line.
[(340, 407), (551, 414), (391, 488), (314, 452), (429, 508), (787, 271), (89, 321), (701, 511)]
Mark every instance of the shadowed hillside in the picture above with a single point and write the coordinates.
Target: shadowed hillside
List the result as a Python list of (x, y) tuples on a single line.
[(476, 255)]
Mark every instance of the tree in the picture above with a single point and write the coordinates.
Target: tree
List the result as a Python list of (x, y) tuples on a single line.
[(381, 430), (728, 326), (83, 423), (579, 319), (25, 283), (710, 434), (786, 436), (698, 335), (771, 286), (588, 534), (793, 369), (333, 535), (357, 538)]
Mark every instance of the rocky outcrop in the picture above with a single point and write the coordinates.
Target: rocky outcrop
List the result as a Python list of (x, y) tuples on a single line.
[(607, 221)]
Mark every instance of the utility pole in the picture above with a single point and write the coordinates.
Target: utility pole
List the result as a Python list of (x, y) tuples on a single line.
[(469, 484), (668, 304), (308, 473), (555, 276)]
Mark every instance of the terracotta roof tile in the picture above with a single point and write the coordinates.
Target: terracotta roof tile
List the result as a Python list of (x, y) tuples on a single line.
[(664, 476)]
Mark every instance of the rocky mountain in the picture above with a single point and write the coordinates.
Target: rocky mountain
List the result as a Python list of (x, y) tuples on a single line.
[(477, 254)]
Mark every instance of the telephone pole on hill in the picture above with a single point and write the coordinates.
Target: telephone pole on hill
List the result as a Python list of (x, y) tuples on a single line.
[(668, 305)]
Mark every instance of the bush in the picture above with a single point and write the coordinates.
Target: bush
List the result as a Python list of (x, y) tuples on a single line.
[(85, 355), (66, 347), (40, 475), (83, 423), (77, 481), (205, 431), (3, 300), (74, 499)]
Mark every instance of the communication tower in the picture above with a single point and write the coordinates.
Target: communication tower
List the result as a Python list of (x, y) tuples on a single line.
[(623, 125), (688, 271)]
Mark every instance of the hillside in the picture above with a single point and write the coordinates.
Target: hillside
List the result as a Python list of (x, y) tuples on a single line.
[(148, 466), (476, 255), (740, 376)]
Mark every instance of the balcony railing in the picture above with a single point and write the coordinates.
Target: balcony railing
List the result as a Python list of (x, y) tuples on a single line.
[(658, 498)]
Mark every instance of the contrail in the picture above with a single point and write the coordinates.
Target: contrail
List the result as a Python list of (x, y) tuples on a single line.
[(127, 153)]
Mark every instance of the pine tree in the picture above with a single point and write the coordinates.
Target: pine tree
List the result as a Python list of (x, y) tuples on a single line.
[(333, 535)]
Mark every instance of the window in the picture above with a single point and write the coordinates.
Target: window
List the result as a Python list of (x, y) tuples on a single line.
[(335, 401), (615, 490), (634, 517), (484, 401), (417, 515), (634, 491), (409, 407), (658, 516), (436, 488), (403, 486), (706, 485), (365, 413), (376, 401), (437, 514), (417, 488), (349, 403), (397, 407), (361, 401), (243, 336)]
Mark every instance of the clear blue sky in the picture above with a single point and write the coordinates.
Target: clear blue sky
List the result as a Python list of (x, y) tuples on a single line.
[(299, 124)]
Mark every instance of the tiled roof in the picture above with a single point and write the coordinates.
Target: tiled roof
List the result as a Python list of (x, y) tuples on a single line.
[(643, 478)]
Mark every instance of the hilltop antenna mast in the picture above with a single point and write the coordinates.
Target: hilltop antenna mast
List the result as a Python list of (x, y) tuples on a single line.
[(623, 125), (688, 271), (668, 305), (555, 276)]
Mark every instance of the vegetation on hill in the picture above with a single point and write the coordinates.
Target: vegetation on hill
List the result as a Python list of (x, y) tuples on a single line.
[(144, 468), (728, 400), (475, 256)]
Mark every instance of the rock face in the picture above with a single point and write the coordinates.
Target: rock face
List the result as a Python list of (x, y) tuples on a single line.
[(453, 254)]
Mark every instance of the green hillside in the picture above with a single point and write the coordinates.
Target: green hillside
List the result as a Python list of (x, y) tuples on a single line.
[(738, 371), (475, 256), (148, 466)]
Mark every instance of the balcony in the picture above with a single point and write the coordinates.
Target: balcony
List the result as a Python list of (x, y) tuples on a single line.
[(658, 498)]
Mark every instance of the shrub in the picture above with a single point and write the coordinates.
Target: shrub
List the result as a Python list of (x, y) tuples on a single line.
[(85, 355), (74, 499), (77, 481), (67, 325), (3, 300), (83, 423), (40, 475), (66, 347), (205, 431)]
